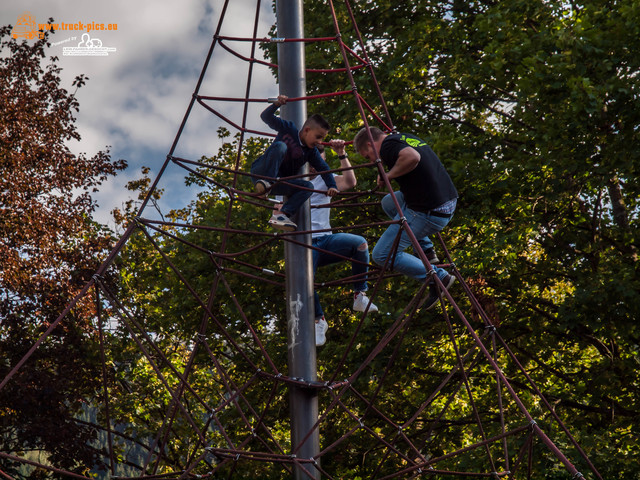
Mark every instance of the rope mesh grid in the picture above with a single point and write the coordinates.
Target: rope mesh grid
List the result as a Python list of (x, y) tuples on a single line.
[(226, 387)]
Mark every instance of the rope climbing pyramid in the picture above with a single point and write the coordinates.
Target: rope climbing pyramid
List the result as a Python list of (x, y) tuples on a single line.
[(407, 393)]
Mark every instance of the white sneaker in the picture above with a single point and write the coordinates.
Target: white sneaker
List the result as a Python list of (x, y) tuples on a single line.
[(321, 331), (282, 222), (360, 302)]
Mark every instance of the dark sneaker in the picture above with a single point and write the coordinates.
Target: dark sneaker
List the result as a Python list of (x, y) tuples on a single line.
[(432, 256), (433, 297), (262, 187), (282, 222)]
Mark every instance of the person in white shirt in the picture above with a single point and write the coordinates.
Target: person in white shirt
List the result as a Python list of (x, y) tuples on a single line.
[(348, 245)]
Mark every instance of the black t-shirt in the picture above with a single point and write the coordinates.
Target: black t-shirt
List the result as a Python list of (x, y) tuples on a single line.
[(428, 185)]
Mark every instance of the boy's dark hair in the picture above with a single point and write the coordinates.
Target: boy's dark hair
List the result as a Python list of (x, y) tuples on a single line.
[(317, 121)]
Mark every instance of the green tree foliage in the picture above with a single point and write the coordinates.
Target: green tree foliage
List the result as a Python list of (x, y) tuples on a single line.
[(49, 247), (533, 108), (172, 311)]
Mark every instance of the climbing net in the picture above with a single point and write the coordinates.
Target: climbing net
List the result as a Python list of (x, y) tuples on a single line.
[(414, 405)]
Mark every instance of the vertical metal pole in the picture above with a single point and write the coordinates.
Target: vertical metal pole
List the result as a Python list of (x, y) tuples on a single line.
[(298, 263)]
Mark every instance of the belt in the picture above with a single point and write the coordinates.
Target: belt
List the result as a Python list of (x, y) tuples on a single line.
[(439, 214)]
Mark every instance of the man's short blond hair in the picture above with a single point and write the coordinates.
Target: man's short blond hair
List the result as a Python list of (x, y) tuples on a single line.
[(362, 137)]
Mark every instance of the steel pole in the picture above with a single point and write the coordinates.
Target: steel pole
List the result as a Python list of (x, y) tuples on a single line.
[(298, 263)]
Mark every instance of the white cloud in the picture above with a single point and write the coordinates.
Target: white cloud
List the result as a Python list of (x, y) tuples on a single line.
[(136, 97)]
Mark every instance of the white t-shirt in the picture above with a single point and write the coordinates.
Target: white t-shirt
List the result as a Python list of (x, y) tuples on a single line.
[(320, 217)]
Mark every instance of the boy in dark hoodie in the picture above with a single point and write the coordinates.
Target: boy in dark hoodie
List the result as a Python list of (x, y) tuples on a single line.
[(290, 150)]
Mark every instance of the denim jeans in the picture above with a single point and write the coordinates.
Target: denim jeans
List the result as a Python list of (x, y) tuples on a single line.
[(422, 225), (347, 245), (268, 165)]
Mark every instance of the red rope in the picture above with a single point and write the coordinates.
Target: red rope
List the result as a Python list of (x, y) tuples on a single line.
[(224, 261)]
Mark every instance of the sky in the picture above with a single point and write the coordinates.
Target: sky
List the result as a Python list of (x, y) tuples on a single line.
[(137, 94)]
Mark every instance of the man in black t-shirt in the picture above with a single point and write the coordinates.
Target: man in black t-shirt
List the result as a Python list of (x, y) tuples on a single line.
[(427, 198)]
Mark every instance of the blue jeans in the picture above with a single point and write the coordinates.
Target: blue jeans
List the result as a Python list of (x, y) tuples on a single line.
[(268, 165), (422, 225), (347, 245)]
